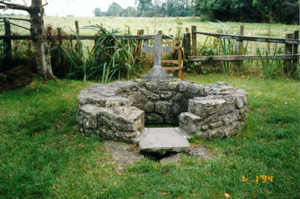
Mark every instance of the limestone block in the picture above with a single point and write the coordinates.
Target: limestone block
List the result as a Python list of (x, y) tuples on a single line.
[(204, 108), (228, 88), (229, 131), (87, 117), (239, 100), (164, 139), (204, 127), (162, 85), (216, 133), (91, 99), (178, 107), (97, 86), (203, 91), (129, 119), (226, 108), (153, 97), (183, 86), (129, 135), (145, 92), (172, 85), (245, 99), (137, 99), (165, 95), (216, 124), (178, 97), (194, 88), (221, 84), (90, 109), (241, 92), (116, 101), (141, 84), (149, 107), (189, 122), (162, 107), (152, 85)]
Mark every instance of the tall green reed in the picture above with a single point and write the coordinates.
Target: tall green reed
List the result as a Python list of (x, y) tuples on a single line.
[(226, 46), (269, 66), (109, 55)]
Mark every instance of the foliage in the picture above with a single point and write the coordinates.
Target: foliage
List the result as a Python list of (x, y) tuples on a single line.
[(107, 57), (114, 9), (227, 45), (269, 66), (249, 11), (97, 12), (146, 8), (44, 156)]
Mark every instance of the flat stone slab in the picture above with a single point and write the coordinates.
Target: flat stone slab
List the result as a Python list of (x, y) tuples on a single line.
[(164, 139)]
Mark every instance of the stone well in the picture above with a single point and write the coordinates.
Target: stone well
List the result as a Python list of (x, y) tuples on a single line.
[(120, 110)]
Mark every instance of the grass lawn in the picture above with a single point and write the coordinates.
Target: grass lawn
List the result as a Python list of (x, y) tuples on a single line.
[(43, 156)]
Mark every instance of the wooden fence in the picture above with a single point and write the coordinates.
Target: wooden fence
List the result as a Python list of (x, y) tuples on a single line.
[(140, 37), (291, 42), (189, 45)]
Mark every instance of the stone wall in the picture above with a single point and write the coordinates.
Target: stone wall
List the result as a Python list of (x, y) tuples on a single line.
[(120, 110)]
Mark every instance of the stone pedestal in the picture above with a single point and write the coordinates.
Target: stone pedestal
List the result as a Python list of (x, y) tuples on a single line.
[(158, 73)]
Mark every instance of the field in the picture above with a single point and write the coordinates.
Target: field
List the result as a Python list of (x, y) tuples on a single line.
[(43, 156), (167, 25)]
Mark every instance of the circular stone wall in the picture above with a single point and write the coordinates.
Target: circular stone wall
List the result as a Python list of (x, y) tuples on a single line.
[(119, 110)]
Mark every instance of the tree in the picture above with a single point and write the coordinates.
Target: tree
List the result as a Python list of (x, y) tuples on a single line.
[(143, 5), (37, 32), (97, 12), (114, 9)]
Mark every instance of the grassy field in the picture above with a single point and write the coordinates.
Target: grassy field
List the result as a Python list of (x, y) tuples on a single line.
[(167, 25), (42, 154)]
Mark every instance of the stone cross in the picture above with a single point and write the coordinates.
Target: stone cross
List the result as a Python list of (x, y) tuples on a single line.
[(157, 72)]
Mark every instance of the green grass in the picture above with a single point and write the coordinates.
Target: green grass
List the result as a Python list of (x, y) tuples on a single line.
[(43, 156)]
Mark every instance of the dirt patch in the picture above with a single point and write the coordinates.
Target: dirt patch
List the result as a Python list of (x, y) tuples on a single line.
[(16, 78)]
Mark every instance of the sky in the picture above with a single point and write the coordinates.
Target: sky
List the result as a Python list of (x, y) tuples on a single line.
[(79, 8)]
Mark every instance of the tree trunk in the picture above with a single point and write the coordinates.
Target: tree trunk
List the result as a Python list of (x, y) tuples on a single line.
[(40, 45)]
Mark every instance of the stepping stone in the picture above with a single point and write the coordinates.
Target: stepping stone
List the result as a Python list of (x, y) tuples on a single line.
[(164, 139)]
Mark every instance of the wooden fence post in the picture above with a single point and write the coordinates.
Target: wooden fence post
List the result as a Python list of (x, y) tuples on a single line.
[(239, 49), (194, 41), (138, 47), (295, 51), (161, 34), (77, 27), (59, 36), (7, 46), (288, 50), (187, 44)]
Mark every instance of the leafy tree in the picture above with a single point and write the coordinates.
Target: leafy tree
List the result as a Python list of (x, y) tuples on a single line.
[(143, 5), (129, 11), (97, 12), (114, 9), (285, 11)]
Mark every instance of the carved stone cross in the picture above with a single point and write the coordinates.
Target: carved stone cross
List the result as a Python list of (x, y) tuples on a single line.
[(157, 72)]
